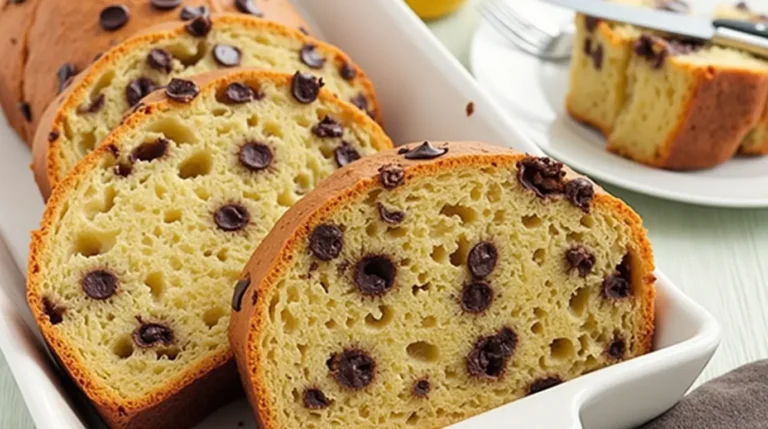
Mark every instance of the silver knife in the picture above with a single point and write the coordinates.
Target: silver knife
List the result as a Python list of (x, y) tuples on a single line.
[(748, 36)]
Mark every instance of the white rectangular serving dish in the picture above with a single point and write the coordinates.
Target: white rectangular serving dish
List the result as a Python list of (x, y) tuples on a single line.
[(424, 92)]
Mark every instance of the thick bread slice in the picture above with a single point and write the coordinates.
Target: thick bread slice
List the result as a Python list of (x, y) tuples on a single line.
[(418, 288), (131, 274)]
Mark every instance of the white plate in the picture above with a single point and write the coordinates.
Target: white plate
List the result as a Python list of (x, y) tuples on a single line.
[(424, 92), (533, 92)]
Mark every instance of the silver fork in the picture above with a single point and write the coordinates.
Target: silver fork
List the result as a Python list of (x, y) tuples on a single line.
[(526, 34)]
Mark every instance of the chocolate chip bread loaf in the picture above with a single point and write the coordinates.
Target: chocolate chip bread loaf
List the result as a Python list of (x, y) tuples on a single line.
[(419, 287), (57, 38), (94, 103), (131, 274)]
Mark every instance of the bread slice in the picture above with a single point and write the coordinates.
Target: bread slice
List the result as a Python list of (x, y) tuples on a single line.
[(14, 22), (422, 286), (131, 274), (96, 101)]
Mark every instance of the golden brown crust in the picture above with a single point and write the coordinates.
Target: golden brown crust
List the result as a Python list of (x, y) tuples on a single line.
[(275, 252), (197, 391), (44, 153)]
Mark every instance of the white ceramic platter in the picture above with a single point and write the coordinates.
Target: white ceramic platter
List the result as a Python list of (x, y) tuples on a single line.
[(424, 92), (533, 92)]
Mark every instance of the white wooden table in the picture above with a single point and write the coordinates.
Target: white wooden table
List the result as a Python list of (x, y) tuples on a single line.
[(719, 257)]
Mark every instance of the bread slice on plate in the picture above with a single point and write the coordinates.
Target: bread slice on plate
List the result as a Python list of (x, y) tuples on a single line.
[(97, 100), (421, 286), (132, 272)]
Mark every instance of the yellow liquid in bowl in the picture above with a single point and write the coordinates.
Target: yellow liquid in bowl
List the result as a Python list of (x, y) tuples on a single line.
[(433, 9)]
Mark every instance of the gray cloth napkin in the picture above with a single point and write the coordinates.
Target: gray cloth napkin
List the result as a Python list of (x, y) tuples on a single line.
[(736, 400)]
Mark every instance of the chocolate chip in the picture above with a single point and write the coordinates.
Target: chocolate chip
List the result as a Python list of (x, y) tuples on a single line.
[(99, 284), (315, 399), (353, 369), (150, 151), (249, 7), (328, 127), (360, 101), (392, 217), (543, 384), (580, 193), (619, 284), (421, 388), (199, 26), (240, 288), (345, 154), (482, 259), (425, 151), (375, 275), (469, 109), (94, 107), (305, 87), (391, 175), (114, 17), (182, 90), (231, 217), (53, 135), (326, 242), (65, 73), (165, 4), (26, 111), (304, 31), (311, 57), (543, 176), (652, 49), (617, 348), (591, 23), (226, 55), (255, 156), (123, 169), (114, 150), (55, 313), (588, 46), (476, 297), (597, 57), (150, 334), (189, 12), (160, 59), (238, 93), (581, 259), (347, 72), (254, 297), (488, 359), (742, 5), (138, 89)]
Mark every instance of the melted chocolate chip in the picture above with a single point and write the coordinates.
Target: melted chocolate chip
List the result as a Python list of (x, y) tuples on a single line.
[(353, 369), (189, 12), (581, 259), (580, 193), (114, 17), (391, 175), (392, 217), (360, 101), (476, 297), (375, 275), (151, 334), (347, 72), (326, 242), (238, 93), (150, 151), (53, 135), (226, 55), (123, 169), (249, 7), (26, 111), (617, 348), (488, 359), (138, 89), (55, 313), (345, 154), (591, 23), (65, 73), (421, 388), (482, 259), (114, 150), (328, 127), (311, 57), (619, 284), (254, 297), (543, 176), (165, 4), (597, 57), (231, 217), (199, 26), (306, 87), (182, 90), (240, 288), (652, 49), (160, 59), (255, 156), (543, 384), (315, 399), (94, 107), (425, 151), (99, 284)]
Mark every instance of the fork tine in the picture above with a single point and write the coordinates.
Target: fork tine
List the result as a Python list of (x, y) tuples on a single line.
[(512, 33), (516, 27), (510, 13)]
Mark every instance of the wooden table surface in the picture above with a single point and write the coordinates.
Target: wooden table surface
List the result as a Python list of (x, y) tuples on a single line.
[(719, 257)]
